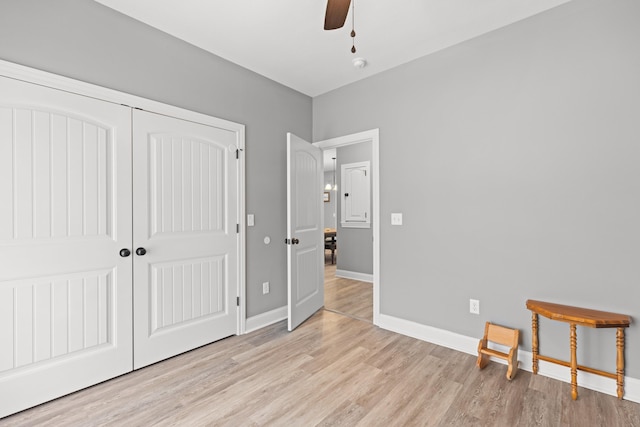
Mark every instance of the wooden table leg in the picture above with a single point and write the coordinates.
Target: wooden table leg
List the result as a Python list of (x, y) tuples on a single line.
[(620, 361), (574, 362), (534, 341)]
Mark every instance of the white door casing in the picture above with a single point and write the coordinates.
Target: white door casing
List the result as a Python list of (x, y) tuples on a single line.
[(305, 236), (65, 214), (186, 219)]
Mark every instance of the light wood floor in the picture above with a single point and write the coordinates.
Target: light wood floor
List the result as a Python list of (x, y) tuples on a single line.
[(332, 370), (346, 296)]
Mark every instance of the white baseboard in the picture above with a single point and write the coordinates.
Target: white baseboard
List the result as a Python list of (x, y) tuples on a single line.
[(265, 319), (469, 345), (363, 277)]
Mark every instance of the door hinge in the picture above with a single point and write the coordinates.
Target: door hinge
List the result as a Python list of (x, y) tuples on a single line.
[(238, 301), (237, 228), (287, 241)]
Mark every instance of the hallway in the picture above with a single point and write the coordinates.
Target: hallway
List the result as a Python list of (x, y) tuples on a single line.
[(346, 296)]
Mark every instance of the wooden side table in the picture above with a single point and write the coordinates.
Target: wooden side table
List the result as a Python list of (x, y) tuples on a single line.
[(583, 317)]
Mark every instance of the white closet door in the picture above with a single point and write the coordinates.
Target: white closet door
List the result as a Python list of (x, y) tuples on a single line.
[(65, 214), (185, 215)]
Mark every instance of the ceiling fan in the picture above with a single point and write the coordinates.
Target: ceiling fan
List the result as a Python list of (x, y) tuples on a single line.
[(335, 16), (337, 11)]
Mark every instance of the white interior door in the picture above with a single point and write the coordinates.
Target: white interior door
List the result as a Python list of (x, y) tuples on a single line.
[(305, 236), (65, 214), (185, 220)]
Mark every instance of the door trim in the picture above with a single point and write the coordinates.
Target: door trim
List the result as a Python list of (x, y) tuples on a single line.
[(372, 135), (32, 75)]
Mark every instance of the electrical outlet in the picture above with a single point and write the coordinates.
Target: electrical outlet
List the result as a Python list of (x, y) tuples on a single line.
[(474, 306), (265, 288), (396, 219)]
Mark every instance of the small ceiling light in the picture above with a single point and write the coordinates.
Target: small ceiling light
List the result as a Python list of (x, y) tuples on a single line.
[(359, 62)]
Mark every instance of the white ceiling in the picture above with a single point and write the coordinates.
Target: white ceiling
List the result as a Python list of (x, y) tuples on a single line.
[(284, 40)]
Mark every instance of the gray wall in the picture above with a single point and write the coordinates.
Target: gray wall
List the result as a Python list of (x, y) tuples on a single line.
[(329, 207), (514, 158), (355, 245), (87, 41)]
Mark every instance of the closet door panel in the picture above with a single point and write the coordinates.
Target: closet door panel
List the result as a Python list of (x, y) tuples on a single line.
[(65, 213), (185, 216)]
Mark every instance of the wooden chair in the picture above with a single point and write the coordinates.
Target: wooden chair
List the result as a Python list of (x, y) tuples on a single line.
[(499, 335), (330, 245)]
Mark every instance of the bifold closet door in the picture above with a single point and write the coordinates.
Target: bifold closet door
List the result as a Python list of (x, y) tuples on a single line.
[(186, 245), (65, 216)]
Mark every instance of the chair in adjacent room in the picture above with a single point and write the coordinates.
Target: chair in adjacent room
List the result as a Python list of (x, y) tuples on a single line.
[(330, 244)]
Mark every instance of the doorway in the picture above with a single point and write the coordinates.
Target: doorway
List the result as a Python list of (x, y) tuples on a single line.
[(350, 291)]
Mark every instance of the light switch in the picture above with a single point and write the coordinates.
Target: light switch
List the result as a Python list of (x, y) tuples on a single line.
[(250, 221), (396, 219)]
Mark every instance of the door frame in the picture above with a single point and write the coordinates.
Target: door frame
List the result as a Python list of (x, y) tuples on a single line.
[(372, 136), (55, 81)]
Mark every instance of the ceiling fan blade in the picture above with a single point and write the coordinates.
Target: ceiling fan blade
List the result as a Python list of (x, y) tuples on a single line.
[(337, 11)]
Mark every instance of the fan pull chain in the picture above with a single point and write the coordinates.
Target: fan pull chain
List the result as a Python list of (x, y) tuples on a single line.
[(353, 26)]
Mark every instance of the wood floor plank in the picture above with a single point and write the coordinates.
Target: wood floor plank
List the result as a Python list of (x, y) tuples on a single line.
[(347, 414), (405, 398), (347, 296), (332, 370)]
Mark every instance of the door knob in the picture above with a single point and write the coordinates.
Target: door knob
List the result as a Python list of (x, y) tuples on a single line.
[(125, 252), (141, 251), (295, 241)]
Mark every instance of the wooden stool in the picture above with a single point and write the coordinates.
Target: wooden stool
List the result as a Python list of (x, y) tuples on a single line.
[(499, 335)]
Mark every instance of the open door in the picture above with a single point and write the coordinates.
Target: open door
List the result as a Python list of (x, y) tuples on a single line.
[(305, 246)]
